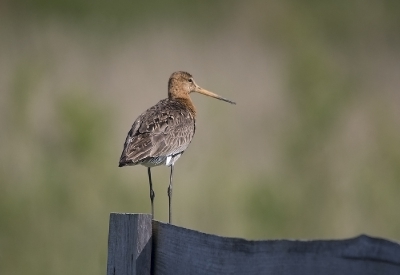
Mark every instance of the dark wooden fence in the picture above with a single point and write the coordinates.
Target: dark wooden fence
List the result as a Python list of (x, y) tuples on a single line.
[(137, 245)]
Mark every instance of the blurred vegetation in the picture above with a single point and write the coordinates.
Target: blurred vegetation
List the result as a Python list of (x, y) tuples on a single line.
[(310, 151)]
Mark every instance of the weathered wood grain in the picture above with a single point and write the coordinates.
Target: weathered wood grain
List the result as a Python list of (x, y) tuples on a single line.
[(181, 251), (129, 244)]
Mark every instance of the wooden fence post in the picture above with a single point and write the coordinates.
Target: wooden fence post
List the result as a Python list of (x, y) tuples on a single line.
[(140, 246), (129, 244)]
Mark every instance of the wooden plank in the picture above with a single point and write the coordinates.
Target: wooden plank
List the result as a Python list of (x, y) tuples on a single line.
[(178, 251), (129, 244)]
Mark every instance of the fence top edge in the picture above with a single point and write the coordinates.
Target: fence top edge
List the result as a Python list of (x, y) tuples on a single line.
[(361, 237)]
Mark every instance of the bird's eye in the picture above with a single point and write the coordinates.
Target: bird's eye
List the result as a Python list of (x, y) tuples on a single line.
[(190, 80)]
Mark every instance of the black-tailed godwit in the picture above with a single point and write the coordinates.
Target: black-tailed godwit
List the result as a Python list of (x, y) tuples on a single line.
[(162, 133)]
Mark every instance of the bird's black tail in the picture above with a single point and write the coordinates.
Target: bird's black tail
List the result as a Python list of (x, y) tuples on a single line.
[(123, 161)]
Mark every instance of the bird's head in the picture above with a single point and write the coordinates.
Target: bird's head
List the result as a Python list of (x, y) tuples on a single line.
[(181, 84)]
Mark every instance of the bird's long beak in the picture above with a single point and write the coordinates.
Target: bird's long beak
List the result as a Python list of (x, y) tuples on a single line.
[(211, 94)]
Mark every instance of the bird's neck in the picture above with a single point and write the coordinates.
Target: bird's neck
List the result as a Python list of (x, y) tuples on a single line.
[(188, 103)]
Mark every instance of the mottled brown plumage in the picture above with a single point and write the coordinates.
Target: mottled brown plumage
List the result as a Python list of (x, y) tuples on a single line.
[(161, 134)]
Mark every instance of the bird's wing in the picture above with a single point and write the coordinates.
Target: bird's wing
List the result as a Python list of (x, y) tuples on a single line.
[(163, 130)]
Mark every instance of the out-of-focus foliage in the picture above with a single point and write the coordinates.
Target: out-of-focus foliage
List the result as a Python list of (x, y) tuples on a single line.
[(311, 150)]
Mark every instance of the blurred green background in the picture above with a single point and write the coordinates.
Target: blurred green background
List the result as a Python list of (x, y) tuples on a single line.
[(311, 150)]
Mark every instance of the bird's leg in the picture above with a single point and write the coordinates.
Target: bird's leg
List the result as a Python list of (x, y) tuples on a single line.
[(152, 194), (170, 193)]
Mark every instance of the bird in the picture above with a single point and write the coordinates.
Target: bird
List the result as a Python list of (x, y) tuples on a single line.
[(161, 134)]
